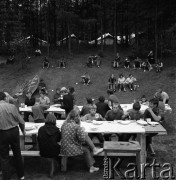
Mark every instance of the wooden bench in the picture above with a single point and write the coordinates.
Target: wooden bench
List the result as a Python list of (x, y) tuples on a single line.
[(119, 147)]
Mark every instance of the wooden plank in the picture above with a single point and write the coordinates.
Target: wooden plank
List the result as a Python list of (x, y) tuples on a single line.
[(155, 129)]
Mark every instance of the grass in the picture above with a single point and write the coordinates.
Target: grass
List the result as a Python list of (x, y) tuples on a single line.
[(165, 146)]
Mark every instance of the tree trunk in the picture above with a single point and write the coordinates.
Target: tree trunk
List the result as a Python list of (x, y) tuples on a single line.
[(156, 33), (115, 28), (69, 39)]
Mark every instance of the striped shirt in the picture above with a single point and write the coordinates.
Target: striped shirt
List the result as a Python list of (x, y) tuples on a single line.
[(9, 116)]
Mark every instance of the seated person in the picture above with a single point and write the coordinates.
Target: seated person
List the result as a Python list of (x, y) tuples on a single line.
[(155, 114), (159, 67), (112, 83), (11, 60), (38, 111), (38, 52), (29, 101), (149, 66), (44, 100), (61, 63), (143, 100), (137, 63), (57, 97), (86, 108), (163, 96), (97, 61), (73, 137), (130, 82), (132, 114), (85, 79), (121, 83), (102, 107), (112, 98), (93, 115), (45, 63), (146, 66), (116, 61), (115, 114), (90, 61), (126, 63)]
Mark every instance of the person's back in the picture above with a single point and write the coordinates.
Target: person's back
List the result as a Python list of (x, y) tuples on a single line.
[(48, 137)]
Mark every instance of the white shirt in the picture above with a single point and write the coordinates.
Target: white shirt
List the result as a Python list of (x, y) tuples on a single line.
[(130, 80)]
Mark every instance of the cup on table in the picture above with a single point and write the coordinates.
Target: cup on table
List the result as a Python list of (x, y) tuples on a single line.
[(148, 120)]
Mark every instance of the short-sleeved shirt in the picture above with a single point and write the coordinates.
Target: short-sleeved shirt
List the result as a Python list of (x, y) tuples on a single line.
[(45, 100), (111, 115), (121, 80), (72, 138), (130, 80), (157, 111), (97, 116)]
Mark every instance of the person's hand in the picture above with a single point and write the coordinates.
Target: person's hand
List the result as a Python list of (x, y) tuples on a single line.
[(24, 132)]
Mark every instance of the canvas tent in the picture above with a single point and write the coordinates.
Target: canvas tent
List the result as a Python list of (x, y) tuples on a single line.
[(64, 41)]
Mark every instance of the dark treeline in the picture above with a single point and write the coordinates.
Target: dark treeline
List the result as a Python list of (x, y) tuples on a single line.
[(152, 21)]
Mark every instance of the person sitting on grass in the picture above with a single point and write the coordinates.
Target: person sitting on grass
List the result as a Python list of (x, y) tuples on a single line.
[(86, 108), (137, 63), (112, 83), (73, 139), (126, 63), (155, 114), (49, 137), (159, 67), (121, 83), (115, 63), (86, 79), (44, 100), (46, 63), (61, 63), (130, 82), (38, 111), (93, 115), (132, 114)]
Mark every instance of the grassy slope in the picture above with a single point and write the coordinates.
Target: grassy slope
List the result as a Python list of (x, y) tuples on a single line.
[(148, 81)]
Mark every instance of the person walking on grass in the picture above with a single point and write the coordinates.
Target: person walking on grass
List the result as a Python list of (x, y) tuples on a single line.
[(9, 133)]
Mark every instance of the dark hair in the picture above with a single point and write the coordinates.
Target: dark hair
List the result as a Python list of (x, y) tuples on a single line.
[(154, 101), (29, 92), (120, 75), (109, 91), (2, 96), (89, 100), (101, 99), (42, 92), (71, 89), (51, 119), (136, 106), (143, 96)]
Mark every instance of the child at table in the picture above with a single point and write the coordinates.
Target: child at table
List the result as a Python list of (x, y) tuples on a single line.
[(143, 100), (94, 116)]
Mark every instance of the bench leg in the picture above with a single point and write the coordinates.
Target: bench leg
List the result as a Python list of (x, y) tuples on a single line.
[(64, 163)]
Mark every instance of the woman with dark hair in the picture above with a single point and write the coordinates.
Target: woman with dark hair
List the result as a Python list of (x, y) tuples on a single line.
[(73, 137)]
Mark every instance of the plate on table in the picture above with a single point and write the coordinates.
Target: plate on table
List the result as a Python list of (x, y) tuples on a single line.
[(97, 122), (29, 128), (142, 122), (125, 122), (56, 105), (153, 123), (93, 128)]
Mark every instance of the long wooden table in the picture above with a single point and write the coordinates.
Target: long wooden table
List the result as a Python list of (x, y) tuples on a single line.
[(55, 108), (109, 127)]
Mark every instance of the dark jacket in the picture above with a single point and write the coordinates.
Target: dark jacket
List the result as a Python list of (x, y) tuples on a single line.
[(48, 137), (68, 102), (30, 102), (102, 108)]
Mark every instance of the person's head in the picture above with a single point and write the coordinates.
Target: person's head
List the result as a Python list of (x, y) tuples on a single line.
[(71, 90), (120, 75), (57, 90), (153, 103), (130, 75), (50, 119), (143, 98), (29, 94), (89, 100), (42, 94), (63, 90), (115, 107), (136, 106), (112, 76), (159, 91), (110, 92), (93, 109), (73, 116), (101, 99), (3, 96), (158, 96)]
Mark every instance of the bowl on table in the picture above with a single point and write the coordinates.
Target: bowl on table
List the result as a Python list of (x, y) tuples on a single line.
[(97, 122), (125, 122), (153, 123), (142, 122)]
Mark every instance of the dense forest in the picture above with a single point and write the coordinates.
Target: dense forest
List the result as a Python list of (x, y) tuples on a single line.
[(152, 21)]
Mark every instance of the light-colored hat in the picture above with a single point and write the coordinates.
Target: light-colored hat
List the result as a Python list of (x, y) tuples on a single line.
[(63, 89)]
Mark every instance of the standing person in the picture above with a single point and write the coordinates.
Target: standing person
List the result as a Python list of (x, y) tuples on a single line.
[(29, 101), (68, 101), (112, 82), (102, 107), (9, 133), (73, 137)]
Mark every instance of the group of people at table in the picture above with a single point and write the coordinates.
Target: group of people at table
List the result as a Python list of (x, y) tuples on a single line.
[(71, 139)]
